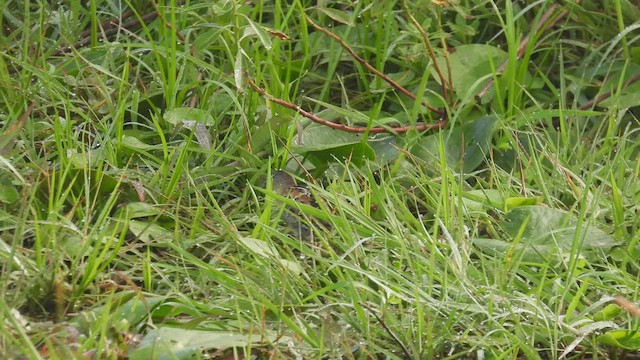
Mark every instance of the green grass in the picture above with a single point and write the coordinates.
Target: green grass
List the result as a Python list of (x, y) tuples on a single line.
[(137, 216)]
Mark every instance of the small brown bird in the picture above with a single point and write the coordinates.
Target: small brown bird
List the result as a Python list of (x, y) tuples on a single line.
[(285, 185)]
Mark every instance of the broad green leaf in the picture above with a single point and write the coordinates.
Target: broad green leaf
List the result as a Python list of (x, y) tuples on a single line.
[(350, 114), (514, 202), (222, 7), (74, 245), (479, 200), (184, 343), (86, 160), (546, 226), (321, 138), (92, 55), (195, 120), (323, 145), (337, 15), (624, 339), (266, 250), (625, 97), (76, 179), (260, 247), (527, 252), (473, 138), (317, 138), (547, 233), (635, 54), (262, 135), (125, 309), (8, 193), (187, 114), (256, 29), (628, 97), (609, 312), (137, 309), (471, 67), (136, 144), (150, 232), (385, 149), (135, 210)]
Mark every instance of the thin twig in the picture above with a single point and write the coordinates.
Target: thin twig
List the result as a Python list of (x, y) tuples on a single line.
[(432, 54), (589, 104), (293, 156), (525, 42), (369, 67), (114, 29), (168, 24), (395, 338), (11, 132), (375, 130), (109, 23)]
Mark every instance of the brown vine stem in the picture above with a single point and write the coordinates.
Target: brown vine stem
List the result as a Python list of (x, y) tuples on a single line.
[(368, 66), (395, 338), (111, 30), (10, 133), (375, 130), (169, 25), (543, 23), (432, 54), (111, 23), (589, 104)]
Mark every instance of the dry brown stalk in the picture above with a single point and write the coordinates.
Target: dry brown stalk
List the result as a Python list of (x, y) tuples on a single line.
[(627, 305)]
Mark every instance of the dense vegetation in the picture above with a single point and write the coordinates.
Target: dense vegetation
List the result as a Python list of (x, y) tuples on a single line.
[(477, 197)]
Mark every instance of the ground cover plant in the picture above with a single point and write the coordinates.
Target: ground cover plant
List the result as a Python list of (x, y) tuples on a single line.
[(319, 180)]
